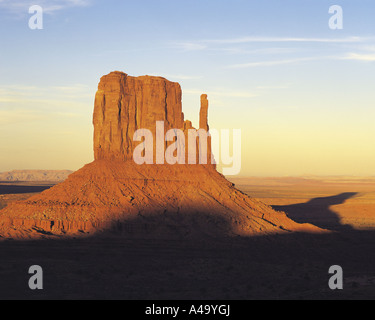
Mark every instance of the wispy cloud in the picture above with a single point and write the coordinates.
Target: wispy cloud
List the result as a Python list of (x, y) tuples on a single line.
[(285, 39), (365, 53), (369, 57), (200, 45), (272, 63), (191, 46), (284, 86), (20, 115), (221, 93), (32, 103), (180, 76), (49, 6), (365, 57), (234, 50), (75, 91)]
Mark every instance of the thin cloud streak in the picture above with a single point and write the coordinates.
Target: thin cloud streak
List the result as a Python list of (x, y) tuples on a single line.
[(19, 104), (76, 91), (286, 39), (272, 63), (205, 44), (221, 93), (20, 116), (49, 6), (178, 76), (367, 57)]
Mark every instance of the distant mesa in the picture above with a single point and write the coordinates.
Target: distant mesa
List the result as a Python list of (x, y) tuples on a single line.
[(35, 175), (114, 194)]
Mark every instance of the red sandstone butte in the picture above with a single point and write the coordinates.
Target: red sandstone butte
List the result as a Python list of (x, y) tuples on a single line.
[(114, 194), (124, 104)]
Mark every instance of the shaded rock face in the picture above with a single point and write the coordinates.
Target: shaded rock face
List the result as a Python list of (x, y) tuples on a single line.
[(115, 193)]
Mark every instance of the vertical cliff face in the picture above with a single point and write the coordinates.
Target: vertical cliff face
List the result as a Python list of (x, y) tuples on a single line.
[(203, 114), (124, 104)]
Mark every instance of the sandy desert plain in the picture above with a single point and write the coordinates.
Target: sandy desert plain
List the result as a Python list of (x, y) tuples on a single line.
[(294, 266)]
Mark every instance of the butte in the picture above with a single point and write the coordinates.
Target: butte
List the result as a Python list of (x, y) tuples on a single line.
[(115, 195)]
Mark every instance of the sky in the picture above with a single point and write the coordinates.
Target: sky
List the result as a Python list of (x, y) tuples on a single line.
[(302, 94)]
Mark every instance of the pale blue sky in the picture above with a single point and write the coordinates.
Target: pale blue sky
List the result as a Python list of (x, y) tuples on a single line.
[(302, 94)]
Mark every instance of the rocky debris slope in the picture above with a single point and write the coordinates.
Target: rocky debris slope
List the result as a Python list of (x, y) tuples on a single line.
[(148, 200)]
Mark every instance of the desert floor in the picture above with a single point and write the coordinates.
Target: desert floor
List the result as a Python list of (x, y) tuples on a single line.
[(335, 203), (293, 266)]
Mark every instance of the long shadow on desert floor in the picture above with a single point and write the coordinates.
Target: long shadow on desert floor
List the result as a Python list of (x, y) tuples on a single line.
[(318, 211), (10, 188), (111, 265)]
